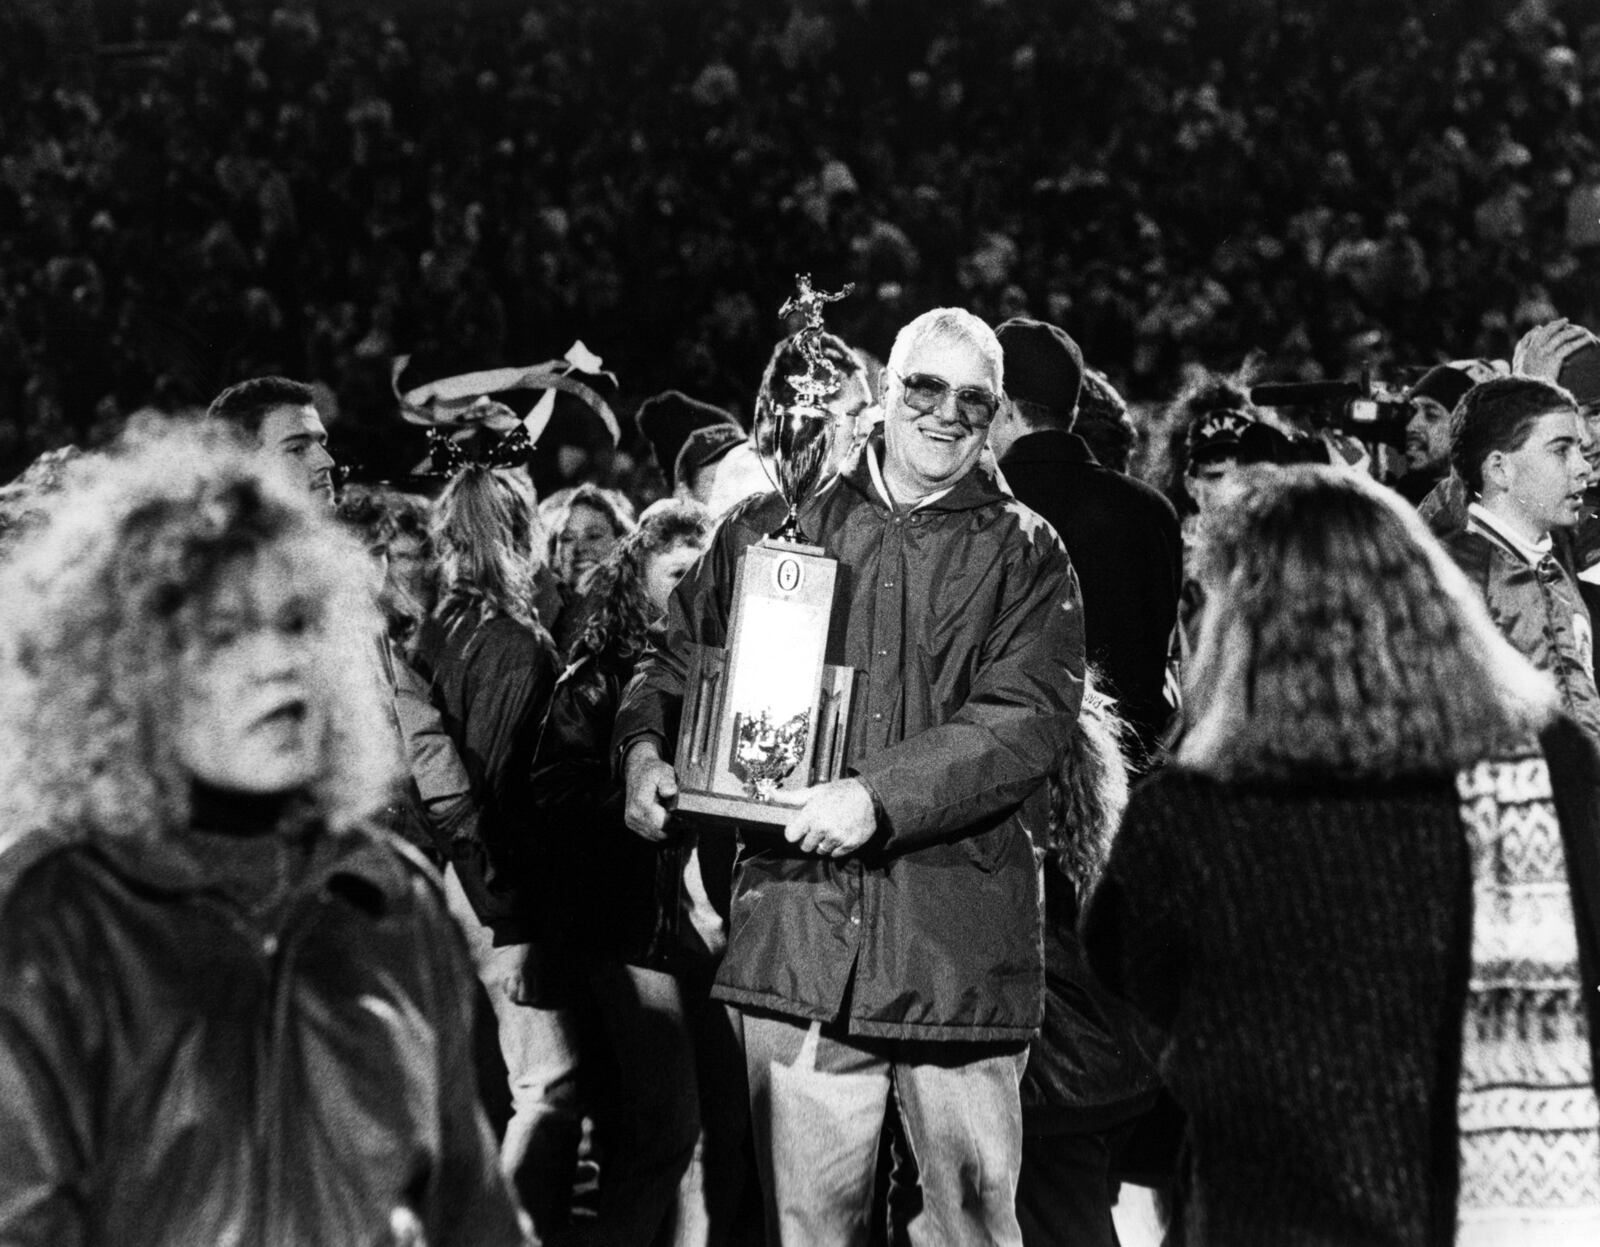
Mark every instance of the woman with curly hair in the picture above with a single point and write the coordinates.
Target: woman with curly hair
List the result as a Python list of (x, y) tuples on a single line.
[(491, 667), (582, 525), (1362, 904), (229, 1011), (637, 931)]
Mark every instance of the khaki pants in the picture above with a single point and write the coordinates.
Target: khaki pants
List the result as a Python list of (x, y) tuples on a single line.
[(817, 1103)]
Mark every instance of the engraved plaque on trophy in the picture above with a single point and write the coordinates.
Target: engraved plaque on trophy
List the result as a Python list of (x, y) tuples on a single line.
[(767, 717)]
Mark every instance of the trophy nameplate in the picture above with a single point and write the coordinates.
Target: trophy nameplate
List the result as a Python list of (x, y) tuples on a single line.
[(768, 717)]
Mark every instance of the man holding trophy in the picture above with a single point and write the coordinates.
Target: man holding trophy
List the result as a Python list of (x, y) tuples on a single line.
[(885, 924)]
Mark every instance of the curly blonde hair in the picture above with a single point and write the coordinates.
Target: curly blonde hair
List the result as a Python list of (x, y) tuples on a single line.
[(102, 603), (1339, 639)]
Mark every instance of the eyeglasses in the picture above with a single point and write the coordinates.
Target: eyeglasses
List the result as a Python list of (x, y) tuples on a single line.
[(975, 405)]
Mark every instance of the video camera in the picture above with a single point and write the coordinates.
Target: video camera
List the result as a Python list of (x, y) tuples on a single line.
[(1366, 410)]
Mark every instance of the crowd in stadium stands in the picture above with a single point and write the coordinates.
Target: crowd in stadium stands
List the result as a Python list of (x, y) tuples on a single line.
[(193, 194)]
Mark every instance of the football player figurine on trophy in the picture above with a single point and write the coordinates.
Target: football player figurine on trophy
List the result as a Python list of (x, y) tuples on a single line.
[(767, 717)]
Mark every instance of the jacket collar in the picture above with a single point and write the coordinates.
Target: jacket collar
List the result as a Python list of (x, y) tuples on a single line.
[(358, 855), (1048, 446), (980, 487)]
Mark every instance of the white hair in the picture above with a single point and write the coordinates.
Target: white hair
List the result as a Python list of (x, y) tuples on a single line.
[(950, 324)]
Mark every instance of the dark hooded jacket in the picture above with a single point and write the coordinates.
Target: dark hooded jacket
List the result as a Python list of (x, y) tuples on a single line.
[(963, 618), (178, 1068)]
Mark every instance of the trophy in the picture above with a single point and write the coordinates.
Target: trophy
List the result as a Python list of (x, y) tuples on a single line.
[(767, 717)]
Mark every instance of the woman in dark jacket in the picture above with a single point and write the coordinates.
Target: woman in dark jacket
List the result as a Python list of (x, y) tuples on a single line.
[(1361, 905), (231, 1011), (630, 918), (491, 667)]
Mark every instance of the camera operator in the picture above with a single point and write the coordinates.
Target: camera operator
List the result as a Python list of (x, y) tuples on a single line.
[(1427, 447)]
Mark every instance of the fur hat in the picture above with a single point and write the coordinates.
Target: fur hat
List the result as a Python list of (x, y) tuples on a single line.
[(668, 420)]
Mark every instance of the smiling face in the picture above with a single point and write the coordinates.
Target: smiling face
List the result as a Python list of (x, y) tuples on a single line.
[(250, 715), (584, 540), (926, 451), (296, 436), (1540, 484)]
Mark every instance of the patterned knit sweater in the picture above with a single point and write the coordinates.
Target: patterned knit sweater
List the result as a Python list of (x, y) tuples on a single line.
[(1307, 948), (1529, 1118)]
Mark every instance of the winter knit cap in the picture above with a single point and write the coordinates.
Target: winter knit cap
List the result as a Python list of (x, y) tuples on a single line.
[(668, 420), (1444, 385), (1043, 365)]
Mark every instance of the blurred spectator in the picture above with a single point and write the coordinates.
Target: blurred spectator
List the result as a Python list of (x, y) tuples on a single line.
[(202, 931), (395, 524), (1103, 422)]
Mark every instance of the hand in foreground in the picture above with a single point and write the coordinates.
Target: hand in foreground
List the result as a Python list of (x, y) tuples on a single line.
[(652, 789), (1544, 348), (836, 819)]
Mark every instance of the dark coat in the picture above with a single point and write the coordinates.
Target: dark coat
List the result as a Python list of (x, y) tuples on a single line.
[(963, 617), (1122, 537), (492, 682), (177, 1070), (608, 889), (1305, 948)]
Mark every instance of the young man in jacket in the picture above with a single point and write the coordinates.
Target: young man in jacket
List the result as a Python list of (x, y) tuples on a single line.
[(1517, 445), (893, 932)]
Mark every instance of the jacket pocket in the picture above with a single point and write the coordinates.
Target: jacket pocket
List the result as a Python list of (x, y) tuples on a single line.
[(988, 849)]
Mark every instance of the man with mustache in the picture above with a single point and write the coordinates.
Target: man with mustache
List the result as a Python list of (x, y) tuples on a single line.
[(1433, 398)]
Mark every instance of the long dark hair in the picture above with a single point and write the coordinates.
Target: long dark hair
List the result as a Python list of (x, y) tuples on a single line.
[(620, 611)]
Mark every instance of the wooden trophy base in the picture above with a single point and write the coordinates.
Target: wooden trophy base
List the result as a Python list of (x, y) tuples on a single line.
[(767, 718)]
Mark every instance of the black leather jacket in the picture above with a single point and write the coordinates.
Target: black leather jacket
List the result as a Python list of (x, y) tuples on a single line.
[(174, 1070)]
